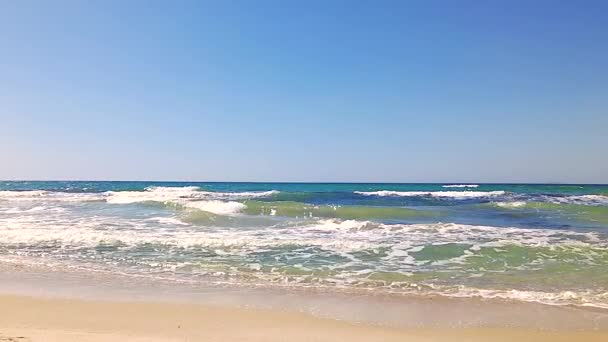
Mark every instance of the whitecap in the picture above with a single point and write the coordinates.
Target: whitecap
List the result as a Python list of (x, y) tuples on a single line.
[(42, 195), (460, 186), (516, 204), (440, 194), (217, 207), (579, 199), (221, 203)]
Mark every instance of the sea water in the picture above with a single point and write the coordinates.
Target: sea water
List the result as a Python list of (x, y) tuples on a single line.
[(521, 242)]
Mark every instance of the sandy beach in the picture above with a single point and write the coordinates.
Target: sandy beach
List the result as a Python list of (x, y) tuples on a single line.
[(38, 305), (50, 319)]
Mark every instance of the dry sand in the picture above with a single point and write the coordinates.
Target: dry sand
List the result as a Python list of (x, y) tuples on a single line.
[(46, 319)]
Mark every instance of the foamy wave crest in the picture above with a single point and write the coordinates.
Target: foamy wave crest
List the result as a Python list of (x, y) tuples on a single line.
[(216, 207), (22, 194), (341, 225), (155, 194), (345, 238), (151, 194), (42, 195), (236, 195), (440, 194), (581, 199), (582, 298), (221, 203), (87, 233), (162, 194), (516, 204), (171, 221), (460, 186)]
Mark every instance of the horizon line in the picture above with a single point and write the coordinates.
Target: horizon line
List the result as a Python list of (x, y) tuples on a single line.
[(299, 182)]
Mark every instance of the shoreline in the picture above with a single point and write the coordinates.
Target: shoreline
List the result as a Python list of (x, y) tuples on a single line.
[(53, 319), (33, 293)]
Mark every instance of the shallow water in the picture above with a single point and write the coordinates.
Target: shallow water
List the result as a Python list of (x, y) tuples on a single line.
[(372, 307), (541, 243)]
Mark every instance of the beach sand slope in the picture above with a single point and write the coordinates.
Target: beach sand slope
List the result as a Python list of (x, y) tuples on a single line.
[(46, 319)]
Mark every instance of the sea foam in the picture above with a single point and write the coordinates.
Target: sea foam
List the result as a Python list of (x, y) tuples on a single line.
[(445, 194), (460, 186), (220, 203), (580, 199)]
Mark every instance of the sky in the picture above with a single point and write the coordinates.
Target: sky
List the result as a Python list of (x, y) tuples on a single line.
[(351, 91)]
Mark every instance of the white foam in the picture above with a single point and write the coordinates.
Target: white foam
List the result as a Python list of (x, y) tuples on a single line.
[(343, 240), (152, 194), (220, 203), (178, 195), (41, 195), (167, 220), (195, 192), (336, 225), (40, 225), (217, 207), (516, 204), (582, 298), (448, 194), (236, 195), (460, 186), (19, 210), (580, 199), (22, 194)]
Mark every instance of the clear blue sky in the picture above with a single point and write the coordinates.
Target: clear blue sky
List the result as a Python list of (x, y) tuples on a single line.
[(398, 91)]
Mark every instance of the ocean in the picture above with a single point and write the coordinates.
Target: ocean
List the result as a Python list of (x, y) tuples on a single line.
[(522, 242)]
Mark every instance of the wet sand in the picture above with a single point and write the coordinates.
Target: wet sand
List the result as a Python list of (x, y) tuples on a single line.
[(74, 305), (52, 319)]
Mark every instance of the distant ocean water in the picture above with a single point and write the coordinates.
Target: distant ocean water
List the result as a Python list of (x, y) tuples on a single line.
[(544, 243)]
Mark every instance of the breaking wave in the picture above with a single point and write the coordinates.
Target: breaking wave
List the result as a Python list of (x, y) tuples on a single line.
[(460, 186), (440, 194)]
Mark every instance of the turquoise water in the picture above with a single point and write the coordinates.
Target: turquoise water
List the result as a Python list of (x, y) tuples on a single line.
[(545, 243)]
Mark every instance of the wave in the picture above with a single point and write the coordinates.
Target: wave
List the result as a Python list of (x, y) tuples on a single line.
[(515, 204), (588, 298), (161, 194), (156, 194), (460, 186), (167, 220), (580, 199), (314, 232), (217, 207), (439, 194), (22, 194), (580, 212), (297, 209), (43, 195), (237, 195), (225, 203), (220, 203)]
